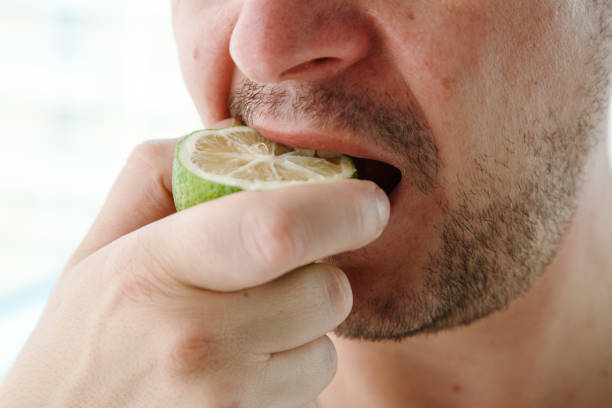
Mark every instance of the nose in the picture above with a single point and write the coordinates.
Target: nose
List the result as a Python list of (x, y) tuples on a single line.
[(280, 40)]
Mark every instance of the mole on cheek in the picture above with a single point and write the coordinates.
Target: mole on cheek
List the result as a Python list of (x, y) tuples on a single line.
[(196, 54), (448, 83)]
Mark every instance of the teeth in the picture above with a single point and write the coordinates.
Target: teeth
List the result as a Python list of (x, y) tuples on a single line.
[(327, 155), (305, 152), (318, 153)]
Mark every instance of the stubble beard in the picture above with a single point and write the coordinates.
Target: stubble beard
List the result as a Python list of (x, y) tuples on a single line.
[(493, 243), (490, 255)]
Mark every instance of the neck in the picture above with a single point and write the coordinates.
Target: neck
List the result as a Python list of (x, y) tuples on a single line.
[(548, 348)]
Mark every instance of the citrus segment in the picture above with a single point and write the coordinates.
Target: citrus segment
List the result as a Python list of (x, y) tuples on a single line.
[(212, 163)]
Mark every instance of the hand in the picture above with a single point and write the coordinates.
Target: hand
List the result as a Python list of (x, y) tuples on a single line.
[(210, 307)]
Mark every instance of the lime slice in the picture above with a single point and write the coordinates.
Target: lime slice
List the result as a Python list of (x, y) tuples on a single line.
[(212, 163)]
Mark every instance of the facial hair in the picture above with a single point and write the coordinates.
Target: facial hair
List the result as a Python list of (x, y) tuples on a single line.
[(494, 242)]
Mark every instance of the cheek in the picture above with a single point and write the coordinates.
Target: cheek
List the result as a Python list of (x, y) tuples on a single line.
[(476, 67), (441, 49), (442, 60)]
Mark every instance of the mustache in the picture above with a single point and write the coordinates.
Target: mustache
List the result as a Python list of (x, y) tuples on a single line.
[(377, 118)]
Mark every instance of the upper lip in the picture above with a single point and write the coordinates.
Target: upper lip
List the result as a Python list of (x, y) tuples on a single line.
[(305, 137)]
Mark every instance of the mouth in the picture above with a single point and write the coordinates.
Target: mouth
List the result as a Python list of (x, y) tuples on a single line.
[(386, 176), (369, 163)]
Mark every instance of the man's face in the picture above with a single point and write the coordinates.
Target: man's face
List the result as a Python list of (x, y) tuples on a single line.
[(486, 107)]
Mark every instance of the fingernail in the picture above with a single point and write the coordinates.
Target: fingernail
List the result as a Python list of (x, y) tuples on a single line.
[(376, 212), (384, 209)]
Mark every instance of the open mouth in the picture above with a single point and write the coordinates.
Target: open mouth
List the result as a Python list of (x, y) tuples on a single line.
[(384, 175)]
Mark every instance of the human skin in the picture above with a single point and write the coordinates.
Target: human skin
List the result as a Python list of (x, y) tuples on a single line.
[(513, 96), (494, 104), (157, 308), (139, 319)]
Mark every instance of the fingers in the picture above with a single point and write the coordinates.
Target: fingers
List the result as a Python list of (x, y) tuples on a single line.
[(294, 309), (309, 369), (246, 239), (141, 194)]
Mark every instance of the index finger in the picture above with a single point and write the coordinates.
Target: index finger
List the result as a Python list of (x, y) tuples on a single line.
[(141, 194), (249, 238)]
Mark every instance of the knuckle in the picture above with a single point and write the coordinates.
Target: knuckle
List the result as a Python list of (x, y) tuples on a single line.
[(192, 352), (131, 289), (271, 235), (149, 157), (147, 152), (195, 347), (151, 262), (134, 275), (144, 155), (145, 164), (204, 342), (201, 354), (127, 282)]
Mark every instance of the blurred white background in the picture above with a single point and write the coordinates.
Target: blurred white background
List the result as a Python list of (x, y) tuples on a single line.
[(81, 83)]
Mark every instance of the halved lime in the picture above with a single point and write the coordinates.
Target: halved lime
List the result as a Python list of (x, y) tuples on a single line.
[(215, 162)]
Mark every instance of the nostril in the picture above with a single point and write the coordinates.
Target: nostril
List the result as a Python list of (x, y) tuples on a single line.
[(274, 41), (322, 60), (315, 65)]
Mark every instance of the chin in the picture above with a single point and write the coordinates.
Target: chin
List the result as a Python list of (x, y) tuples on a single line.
[(389, 277), (390, 299)]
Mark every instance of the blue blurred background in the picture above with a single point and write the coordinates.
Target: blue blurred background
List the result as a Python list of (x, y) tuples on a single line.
[(81, 83)]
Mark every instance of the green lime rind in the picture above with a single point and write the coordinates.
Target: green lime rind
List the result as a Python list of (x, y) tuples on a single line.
[(189, 190)]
